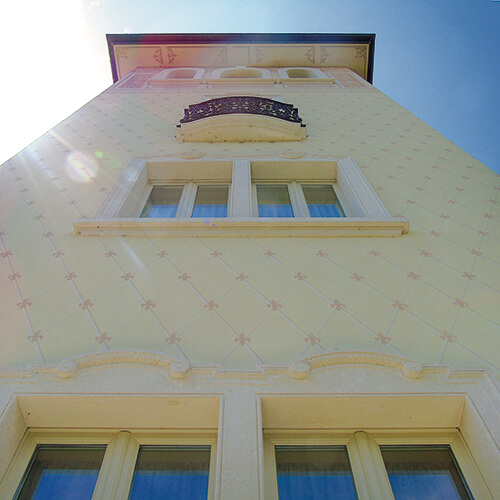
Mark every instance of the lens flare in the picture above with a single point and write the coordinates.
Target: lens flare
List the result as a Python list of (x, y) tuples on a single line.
[(81, 167)]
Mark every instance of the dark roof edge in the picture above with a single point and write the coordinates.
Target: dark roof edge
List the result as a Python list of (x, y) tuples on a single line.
[(214, 38)]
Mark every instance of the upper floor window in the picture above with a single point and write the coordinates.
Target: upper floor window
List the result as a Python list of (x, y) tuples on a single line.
[(302, 75)]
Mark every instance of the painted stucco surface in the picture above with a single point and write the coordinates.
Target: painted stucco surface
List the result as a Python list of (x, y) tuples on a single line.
[(432, 295)]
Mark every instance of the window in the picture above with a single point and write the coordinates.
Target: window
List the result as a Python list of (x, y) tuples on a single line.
[(304, 75), (402, 465), (190, 200), (116, 465), (297, 200), (274, 197)]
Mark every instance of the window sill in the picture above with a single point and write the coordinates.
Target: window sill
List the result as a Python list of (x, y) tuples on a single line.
[(303, 227)]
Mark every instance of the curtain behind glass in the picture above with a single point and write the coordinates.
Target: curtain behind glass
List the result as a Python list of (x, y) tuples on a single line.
[(62, 473), (211, 201), (162, 202), (274, 201), (322, 201), (429, 472), (314, 473), (171, 472)]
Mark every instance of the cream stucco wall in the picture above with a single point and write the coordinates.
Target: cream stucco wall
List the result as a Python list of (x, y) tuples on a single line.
[(249, 308)]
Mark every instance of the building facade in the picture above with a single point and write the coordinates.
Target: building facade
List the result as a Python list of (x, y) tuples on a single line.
[(244, 256)]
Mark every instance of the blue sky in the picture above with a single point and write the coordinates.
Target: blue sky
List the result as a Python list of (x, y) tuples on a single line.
[(440, 59)]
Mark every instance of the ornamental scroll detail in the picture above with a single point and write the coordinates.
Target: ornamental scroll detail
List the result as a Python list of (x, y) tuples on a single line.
[(242, 105)]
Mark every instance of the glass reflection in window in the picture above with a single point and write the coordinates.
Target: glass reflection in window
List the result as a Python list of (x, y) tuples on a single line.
[(274, 201), (314, 472), (162, 202), (211, 201), (164, 472), (62, 472), (429, 472), (322, 201)]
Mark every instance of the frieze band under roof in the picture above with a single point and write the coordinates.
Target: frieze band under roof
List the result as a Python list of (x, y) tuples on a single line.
[(130, 51)]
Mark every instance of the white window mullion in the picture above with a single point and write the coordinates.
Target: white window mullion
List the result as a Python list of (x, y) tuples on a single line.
[(370, 476), (117, 468), (298, 200), (186, 203), (240, 202)]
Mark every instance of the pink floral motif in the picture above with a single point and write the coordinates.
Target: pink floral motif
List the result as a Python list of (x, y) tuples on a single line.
[(273, 305), (103, 189), (216, 253), (410, 202), (435, 233), (269, 253), (482, 233), (72, 202), (374, 253), (424, 253), (110, 253), (2, 233), (162, 254), (63, 190), (380, 337), (58, 253), (149, 304), (6, 253), (493, 201), (15, 276), (48, 235), (36, 336), (300, 276), (356, 277), (488, 216), (337, 305), (25, 303), (242, 339), (459, 189), (31, 202), (184, 277), (322, 253), (127, 276), (429, 178), (18, 179), (71, 276), (496, 188), (414, 276), (104, 337), (241, 277), (211, 306), (452, 202), (312, 339), (86, 304), (448, 336), (172, 338), (38, 217), (476, 252), (444, 216), (465, 177), (468, 276), (390, 177), (399, 305), (461, 303)]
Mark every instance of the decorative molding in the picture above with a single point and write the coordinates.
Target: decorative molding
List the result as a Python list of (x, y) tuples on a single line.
[(408, 368)]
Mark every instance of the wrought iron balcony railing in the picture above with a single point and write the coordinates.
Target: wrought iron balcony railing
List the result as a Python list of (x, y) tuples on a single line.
[(242, 105)]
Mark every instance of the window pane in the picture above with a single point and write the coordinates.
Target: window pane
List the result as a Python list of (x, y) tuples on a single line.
[(313, 472), (162, 202), (62, 472), (211, 201), (177, 472), (428, 472), (322, 201), (274, 201)]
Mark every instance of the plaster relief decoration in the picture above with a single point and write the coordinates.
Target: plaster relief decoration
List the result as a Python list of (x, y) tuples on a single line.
[(241, 119)]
